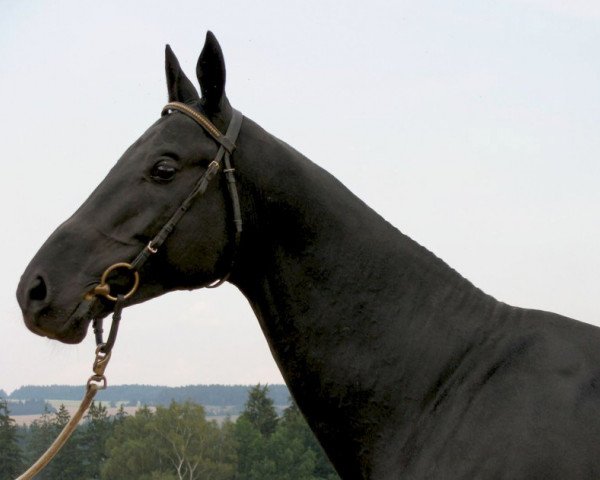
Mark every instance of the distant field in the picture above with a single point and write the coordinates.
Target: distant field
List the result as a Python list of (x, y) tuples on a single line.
[(72, 406)]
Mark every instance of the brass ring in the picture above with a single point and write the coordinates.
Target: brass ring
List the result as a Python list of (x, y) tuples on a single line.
[(106, 291)]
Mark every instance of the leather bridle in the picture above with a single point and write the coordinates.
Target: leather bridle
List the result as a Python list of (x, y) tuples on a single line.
[(226, 148)]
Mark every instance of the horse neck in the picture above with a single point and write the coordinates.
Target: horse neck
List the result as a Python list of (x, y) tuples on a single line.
[(349, 305)]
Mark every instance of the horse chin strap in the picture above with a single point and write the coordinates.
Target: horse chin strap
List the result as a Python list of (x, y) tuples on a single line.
[(97, 381)]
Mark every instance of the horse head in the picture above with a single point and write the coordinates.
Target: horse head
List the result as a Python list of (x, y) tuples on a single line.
[(124, 213)]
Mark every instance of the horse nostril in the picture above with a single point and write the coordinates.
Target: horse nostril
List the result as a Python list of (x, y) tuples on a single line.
[(38, 290)]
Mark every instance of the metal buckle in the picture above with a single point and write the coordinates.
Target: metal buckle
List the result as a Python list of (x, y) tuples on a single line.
[(101, 361), (96, 382)]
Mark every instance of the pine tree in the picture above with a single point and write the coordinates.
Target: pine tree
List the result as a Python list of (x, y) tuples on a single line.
[(259, 410), (11, 457), (67, 465), (251, 447), (92, 441), (119, 416), (41, 435), (280, 456), (296, 426)]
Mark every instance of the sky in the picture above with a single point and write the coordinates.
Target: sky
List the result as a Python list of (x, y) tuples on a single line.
[(472, 126)]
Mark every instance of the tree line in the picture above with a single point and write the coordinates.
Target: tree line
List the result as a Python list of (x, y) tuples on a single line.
[(170, 443), (214, 395), (29, 407)]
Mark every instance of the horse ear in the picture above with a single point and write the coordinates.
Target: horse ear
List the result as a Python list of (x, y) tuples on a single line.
[(179, 86), (211, 74)]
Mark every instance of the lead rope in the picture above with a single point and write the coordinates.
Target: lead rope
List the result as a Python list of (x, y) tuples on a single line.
[(94, 384)]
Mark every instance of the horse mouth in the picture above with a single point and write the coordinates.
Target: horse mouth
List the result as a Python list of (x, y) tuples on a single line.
[(74, 330)]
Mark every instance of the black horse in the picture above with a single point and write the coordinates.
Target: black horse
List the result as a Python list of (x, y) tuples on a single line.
[(402, 367)]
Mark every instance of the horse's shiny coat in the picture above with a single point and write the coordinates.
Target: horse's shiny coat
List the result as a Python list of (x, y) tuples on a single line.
[(403, 368)]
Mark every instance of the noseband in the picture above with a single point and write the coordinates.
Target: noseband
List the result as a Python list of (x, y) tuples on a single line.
[(226, 147)]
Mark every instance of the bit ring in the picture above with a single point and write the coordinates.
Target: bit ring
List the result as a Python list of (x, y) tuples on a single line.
[(103, 289)]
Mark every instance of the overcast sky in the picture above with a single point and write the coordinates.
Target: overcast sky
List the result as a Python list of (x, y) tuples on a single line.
[(470, 125)]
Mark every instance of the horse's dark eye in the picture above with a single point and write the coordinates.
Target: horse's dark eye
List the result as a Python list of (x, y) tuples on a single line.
[(163, 171)]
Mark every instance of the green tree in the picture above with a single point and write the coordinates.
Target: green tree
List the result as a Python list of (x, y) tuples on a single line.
[(259, 410), (291, 458), (119, 416), (290, 452), (130, 450), (93, 437), (41, 435), (174, 443), (11, 456), (194, 447), (295, 425), (277, 457), (66, 465), (251, 449)]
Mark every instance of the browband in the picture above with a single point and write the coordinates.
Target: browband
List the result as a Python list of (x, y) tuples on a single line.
[(227, 140)]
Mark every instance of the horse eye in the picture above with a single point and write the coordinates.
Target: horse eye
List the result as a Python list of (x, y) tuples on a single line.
[(163, 172)]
